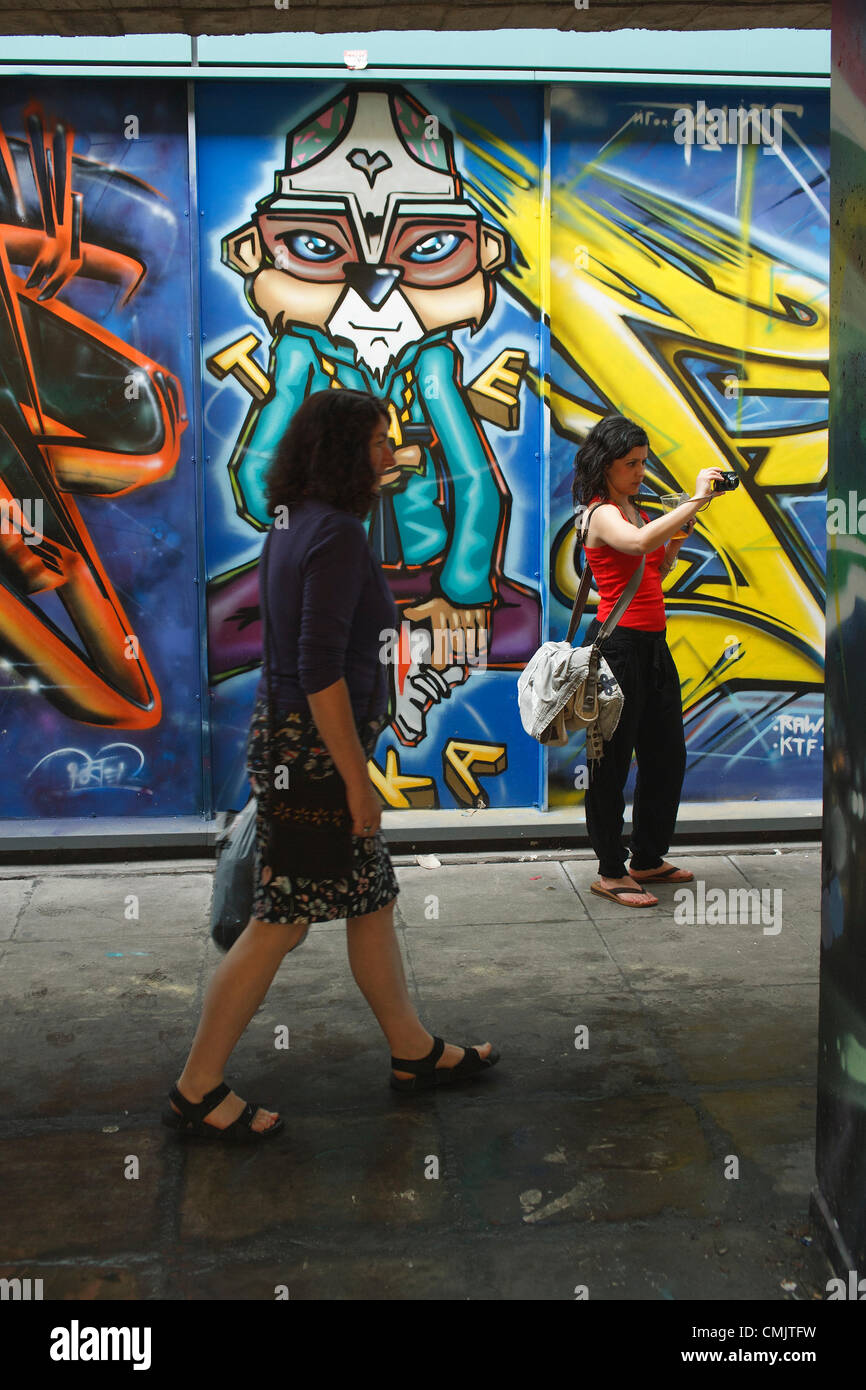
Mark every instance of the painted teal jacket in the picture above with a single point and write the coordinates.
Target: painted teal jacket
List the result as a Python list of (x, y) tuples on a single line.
[(411, 527)]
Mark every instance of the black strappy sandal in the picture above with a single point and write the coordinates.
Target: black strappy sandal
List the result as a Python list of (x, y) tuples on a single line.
[(426, 1075), (190, 1123)]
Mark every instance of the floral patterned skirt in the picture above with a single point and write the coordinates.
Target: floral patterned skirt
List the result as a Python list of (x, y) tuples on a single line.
[(372, 884)]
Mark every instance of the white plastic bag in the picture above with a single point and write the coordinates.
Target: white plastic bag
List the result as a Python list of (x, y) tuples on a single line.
[(231, 908)]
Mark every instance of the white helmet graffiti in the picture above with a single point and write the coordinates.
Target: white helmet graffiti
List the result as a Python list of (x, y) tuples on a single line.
[(372, 150), (371, 198)]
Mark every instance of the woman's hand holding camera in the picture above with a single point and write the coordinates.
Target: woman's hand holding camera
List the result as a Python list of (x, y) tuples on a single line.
[(704, 485)]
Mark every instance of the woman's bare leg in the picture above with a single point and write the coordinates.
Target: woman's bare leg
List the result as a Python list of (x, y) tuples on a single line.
[(377, 965), (236, 990)]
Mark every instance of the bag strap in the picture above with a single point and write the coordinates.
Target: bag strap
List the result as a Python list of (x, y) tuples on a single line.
[(582, 594)]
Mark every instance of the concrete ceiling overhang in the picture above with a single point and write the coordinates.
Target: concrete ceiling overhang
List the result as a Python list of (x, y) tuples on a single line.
[(119, 17)]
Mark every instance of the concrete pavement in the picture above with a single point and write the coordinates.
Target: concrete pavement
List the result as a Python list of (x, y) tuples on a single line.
[(648, 1133)]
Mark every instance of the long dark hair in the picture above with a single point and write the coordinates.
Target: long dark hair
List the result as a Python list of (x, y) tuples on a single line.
[(325, 453), (612, 438)]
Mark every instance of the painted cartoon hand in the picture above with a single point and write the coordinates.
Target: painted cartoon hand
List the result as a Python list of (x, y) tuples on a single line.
[(406, 460), (453, 628)]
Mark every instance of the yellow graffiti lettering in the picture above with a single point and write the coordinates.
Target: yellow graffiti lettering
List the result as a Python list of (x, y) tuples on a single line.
[(495, 392), (769, 587), (395, 433), (399, 790), (634, 320), (461, 760), (235, 360)]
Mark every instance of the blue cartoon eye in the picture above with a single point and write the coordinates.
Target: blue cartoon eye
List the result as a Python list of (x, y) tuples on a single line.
[(436, 247), (309, 246)]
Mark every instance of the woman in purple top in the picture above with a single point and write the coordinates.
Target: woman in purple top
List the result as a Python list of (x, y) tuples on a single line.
[(328, 605)]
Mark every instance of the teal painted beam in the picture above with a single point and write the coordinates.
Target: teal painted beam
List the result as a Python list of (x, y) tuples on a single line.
[(530, 54), (767, 50), (118, 51)]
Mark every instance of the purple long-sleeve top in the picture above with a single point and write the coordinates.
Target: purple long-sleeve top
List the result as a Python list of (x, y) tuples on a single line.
[(328, 603)]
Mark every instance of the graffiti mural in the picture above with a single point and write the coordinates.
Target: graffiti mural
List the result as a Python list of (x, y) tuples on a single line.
[(399, 238), (370, 266), (96, 528), (689, 291)]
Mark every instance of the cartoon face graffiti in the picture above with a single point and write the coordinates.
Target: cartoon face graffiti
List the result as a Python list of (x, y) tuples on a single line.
[(367, 236)]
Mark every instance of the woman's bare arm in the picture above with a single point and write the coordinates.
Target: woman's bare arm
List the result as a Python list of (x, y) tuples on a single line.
[(672, 550), (608, 526), (334, 718)]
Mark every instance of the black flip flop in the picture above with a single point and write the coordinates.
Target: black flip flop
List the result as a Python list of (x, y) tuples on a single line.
[(616, 895), (661, 875)]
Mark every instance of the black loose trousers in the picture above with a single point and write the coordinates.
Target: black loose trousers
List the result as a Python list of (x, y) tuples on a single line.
[(651, 729)]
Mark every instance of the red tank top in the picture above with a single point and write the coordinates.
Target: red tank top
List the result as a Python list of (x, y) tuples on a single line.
[(612, 569)]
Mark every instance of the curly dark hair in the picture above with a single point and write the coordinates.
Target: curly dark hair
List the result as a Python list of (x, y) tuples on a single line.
[(325, 453), (612, 438)]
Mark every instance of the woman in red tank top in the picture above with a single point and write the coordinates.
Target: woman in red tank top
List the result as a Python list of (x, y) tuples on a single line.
[(609, 470)]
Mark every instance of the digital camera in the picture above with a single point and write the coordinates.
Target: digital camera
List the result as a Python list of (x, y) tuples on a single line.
[(727, 483)]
